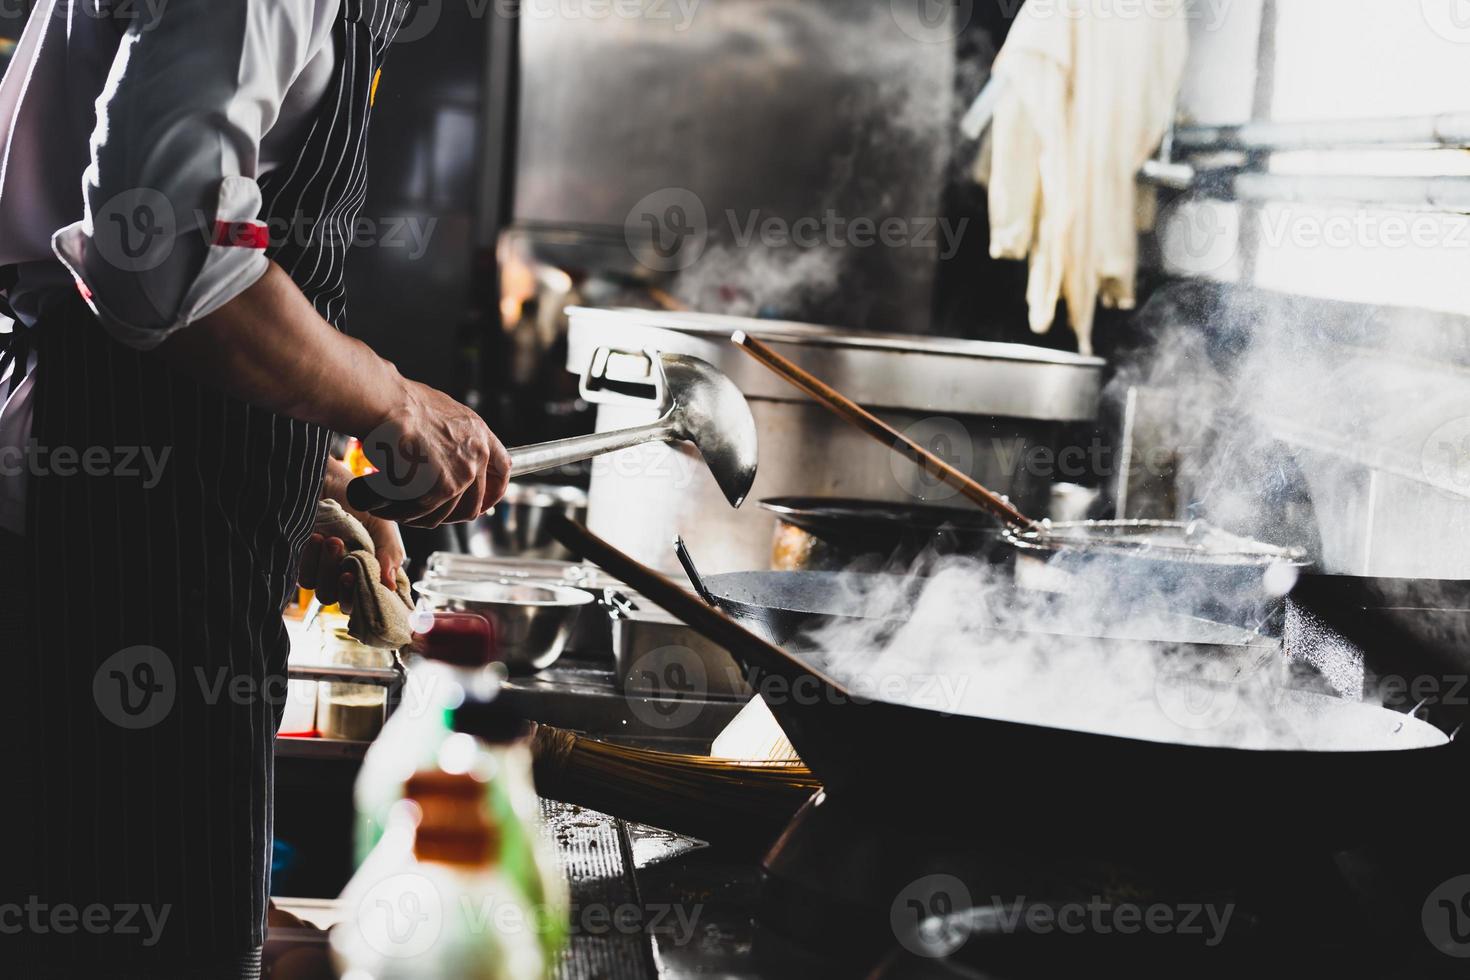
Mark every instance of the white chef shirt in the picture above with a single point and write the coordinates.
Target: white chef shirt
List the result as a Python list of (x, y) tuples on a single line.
[(133, 135)]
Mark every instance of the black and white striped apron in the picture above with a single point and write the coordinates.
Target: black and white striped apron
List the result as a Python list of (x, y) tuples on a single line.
[(155, 679)]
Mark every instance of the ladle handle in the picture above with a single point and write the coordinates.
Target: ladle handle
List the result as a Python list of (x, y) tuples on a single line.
[(551, 455), (370, 493), (850, 410)]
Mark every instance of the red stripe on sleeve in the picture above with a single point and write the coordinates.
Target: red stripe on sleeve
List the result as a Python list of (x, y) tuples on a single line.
[(241, 234)]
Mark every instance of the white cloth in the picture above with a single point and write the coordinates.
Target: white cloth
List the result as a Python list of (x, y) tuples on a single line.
[(1089, 92), (178, 108)]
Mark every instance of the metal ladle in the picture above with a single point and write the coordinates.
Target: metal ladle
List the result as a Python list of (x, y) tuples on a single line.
[(697, 404)]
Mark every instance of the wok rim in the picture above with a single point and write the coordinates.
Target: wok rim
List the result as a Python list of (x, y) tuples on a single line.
[(745, 613)]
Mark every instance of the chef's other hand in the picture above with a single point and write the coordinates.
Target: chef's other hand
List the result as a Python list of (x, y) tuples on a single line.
[(325, 569), (321, 569), (439, 462), (388, 546)]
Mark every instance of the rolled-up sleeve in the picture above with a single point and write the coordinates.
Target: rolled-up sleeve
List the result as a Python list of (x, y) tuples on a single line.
[(171, 228)]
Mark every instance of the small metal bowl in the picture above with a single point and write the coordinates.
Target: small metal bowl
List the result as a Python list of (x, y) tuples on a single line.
[(532, 621), (517, 527)]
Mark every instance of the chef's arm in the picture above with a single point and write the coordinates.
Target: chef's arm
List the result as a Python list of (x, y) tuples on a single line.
[(171, 252), (269, 347)]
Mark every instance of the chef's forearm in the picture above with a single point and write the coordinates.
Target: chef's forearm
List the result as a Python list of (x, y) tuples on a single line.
[(268, 346)]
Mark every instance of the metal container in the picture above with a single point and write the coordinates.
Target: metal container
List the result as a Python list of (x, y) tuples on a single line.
[(590, 637), (658, 656), (516, 528), (985, 407), (533, 622)]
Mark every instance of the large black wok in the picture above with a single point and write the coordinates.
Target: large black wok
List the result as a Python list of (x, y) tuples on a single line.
[(894, 758)]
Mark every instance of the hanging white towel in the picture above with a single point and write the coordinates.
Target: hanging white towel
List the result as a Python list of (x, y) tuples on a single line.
[(1090, 88)]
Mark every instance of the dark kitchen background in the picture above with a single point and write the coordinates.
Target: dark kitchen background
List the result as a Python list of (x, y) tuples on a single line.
[(517, 154), (1297, 367)]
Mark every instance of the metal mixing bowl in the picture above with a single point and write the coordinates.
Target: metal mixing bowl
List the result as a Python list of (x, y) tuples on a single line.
[(532, 621), (517, 528)]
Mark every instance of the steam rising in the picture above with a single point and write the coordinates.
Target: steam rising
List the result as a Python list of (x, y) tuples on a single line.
[(1277, 410), (882, 114), (1303, 422), (755, 280), (956, 635)]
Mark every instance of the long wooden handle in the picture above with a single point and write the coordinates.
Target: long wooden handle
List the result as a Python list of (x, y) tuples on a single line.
[(708, 622), (850, 410)]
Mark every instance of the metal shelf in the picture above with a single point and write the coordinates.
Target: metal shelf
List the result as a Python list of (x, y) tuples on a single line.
[(1445, 131)]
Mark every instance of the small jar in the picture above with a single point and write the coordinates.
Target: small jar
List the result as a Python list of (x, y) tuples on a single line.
[(352, 712)]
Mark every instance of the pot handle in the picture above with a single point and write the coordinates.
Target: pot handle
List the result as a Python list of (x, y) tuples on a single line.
[(615, 376)]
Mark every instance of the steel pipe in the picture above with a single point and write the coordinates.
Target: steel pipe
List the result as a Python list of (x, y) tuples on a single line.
[(1449, 130), (1445, 194)]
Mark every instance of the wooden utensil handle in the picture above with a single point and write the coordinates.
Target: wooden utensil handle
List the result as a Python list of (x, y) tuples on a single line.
[(708, 622), (850, 410)]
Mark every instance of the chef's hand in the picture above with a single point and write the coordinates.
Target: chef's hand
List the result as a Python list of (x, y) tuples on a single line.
[(321, 569), (388, 545), (439, 462), (323, 558)]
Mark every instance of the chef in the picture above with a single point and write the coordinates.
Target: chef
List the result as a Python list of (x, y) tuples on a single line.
[(179, 185)]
